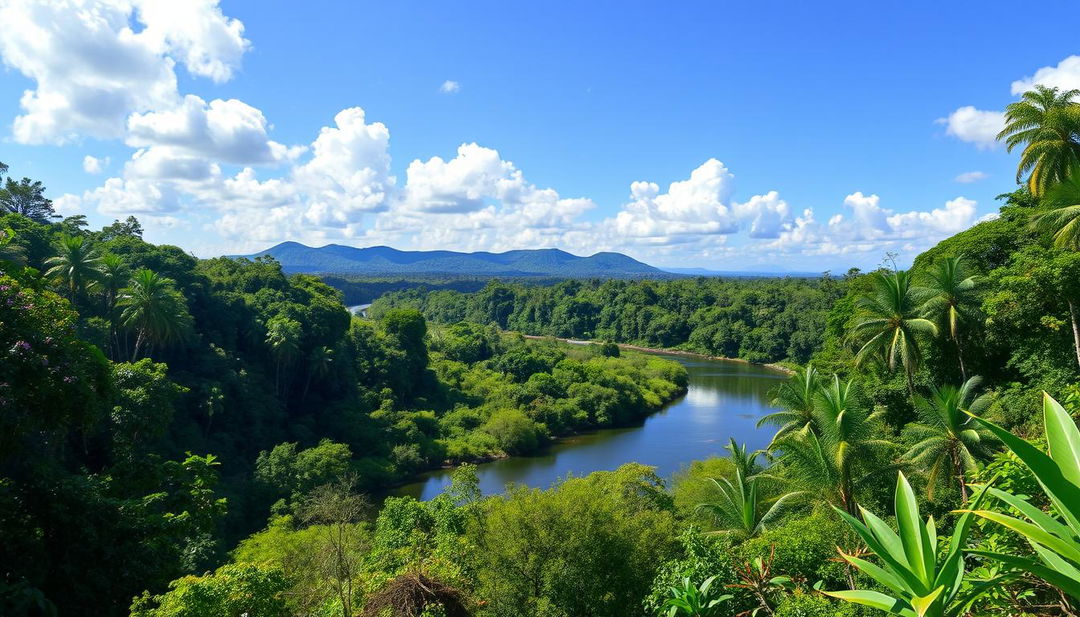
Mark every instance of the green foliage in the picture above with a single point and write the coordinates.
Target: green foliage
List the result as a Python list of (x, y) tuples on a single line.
[(803, 546), (1052, 535), (587, 546), (700, 556), (918, 582), (695, 600), (806, 604), (761, 320), (233, 590), (839, 450), (738, 504)]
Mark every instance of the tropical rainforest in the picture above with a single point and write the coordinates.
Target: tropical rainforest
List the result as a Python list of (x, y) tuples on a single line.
[(185, 437)]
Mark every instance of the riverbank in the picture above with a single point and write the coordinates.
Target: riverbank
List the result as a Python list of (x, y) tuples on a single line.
[(724, 400), (661, 350)]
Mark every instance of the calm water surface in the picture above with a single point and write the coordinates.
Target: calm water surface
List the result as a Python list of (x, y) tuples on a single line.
[(724, 399)]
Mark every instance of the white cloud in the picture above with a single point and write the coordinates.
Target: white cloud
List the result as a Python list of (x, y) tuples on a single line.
[(975, 126), (955, 216), (229, 131), (1064, 76), (871, 229), (94, 63), (768, 214), (970, 176), (450, 87), (691, 207), (349, 174), (94, 165)]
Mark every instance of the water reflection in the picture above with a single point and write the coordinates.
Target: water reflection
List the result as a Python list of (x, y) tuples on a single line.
[(725, 399)]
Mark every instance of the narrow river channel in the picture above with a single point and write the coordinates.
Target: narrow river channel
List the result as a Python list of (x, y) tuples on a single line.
[(724, 399)]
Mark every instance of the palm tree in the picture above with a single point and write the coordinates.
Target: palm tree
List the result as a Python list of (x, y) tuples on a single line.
[(830, 463), (319, 364), (114, 276), (795, 398), (152, 307), (1046, 122), (76, 266), (890, 324), (739, 507), (947, 436), (1063, 220), (283, 337), (948, 293)]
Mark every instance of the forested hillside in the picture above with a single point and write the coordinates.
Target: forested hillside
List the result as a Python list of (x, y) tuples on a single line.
[(760, 320), (155, 408)]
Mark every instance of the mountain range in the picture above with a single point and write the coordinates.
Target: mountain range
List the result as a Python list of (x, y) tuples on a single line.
[(387, 261)]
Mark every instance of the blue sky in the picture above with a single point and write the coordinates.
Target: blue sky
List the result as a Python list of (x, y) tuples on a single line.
[(229, 127)]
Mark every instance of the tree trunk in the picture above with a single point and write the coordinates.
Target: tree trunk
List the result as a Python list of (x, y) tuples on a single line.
[(1076, 330), (960, 356)]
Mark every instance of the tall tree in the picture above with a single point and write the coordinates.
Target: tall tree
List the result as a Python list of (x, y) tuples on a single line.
[(152, 307), (76, 266), (113, 277), (949, 297), (26, 197), (946, 436), (283, 337), (1046, 122), (889, 324), (835, 462)]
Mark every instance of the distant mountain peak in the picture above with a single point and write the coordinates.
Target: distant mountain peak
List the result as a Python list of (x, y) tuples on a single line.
[(388, 261)]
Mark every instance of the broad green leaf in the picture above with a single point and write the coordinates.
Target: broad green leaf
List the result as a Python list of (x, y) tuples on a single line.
[(874, 545), (875, 599), (913, 534), (1035, 515), (1063, 439), (1033, 533), (1064, 494), (922, 604), (878, 573)]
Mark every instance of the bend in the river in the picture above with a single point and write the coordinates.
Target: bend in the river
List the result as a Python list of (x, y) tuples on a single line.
[(724, 399)]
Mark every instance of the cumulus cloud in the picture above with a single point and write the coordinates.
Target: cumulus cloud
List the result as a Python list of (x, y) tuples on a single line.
[(228, 131), (970, 176), (94, 165), (450, 87), (695, 206), (871, 229), (95, 63), (1064, 76), (975, 126)]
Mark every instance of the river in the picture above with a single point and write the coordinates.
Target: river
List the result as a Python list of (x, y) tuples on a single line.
[(724, 399)]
